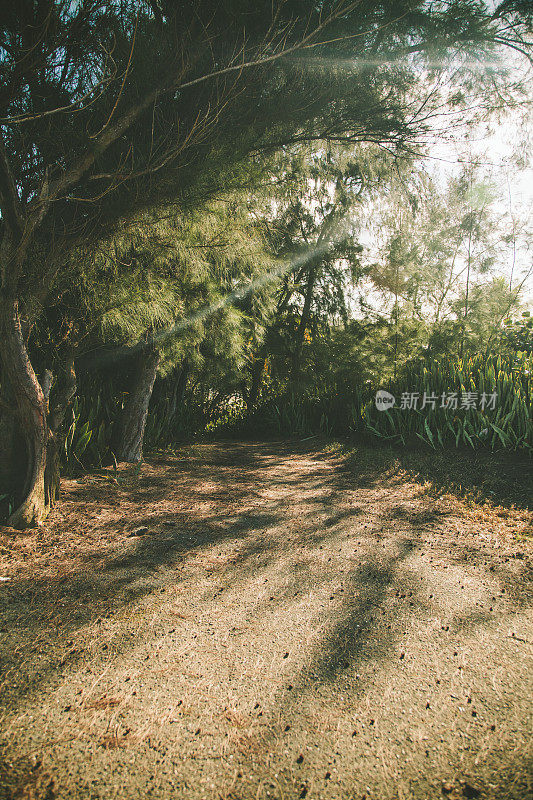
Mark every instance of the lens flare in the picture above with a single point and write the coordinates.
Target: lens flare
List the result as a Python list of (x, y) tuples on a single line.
[(336, 234)]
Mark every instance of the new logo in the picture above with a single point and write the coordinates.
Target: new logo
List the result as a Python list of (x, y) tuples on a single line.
[(384, 400)]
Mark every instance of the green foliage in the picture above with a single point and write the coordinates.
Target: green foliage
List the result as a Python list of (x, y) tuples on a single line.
[(164, 429), (508, 426), (439, 262), (517, 334), (88, 438), (174, 277), (352, 411), (292, 414)]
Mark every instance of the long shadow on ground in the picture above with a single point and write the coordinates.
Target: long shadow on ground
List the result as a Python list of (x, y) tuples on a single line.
[(236, 495), (105, 581)]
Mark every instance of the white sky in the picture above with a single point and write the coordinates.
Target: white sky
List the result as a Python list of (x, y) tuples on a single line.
[(504, 149)]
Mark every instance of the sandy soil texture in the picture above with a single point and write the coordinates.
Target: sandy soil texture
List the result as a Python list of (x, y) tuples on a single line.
[(242, 621)]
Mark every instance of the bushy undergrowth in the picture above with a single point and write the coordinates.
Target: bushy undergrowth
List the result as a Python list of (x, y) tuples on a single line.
[(90, 428), (293, 414), (498, 391), (342, 411)]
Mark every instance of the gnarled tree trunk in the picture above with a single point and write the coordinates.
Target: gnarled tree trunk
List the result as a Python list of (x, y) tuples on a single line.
[(135, 412), (32, 411), (42, 430)]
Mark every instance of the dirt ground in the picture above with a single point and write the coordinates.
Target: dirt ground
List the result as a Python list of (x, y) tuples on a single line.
[(242, 621)]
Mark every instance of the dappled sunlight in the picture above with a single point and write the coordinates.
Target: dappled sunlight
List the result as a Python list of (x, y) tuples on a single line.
[(274, 601)]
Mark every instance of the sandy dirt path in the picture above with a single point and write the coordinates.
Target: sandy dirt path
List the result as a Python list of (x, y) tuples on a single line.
[(276, 620)]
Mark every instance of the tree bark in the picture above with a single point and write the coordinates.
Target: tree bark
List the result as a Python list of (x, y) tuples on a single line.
[(56, 434), (41, 428), (130, 445), (32, 411)]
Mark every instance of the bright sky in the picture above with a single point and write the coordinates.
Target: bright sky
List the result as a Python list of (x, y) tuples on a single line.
[(505, 153), (503, 149)]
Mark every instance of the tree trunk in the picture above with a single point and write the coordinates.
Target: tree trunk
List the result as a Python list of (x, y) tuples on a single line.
[(57, 433), (179, 389), (130, 445), (42, 429), (32, 413), (304, 321), (12, 448), (257, 369)]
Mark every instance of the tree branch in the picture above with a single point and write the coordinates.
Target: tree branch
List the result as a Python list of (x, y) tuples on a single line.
[(73, 175)]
